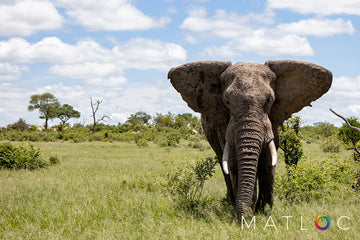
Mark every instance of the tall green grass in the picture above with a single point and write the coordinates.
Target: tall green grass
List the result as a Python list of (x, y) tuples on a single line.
[(115, 191)]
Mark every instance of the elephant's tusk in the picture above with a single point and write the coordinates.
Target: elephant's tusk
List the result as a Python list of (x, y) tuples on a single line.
[(273, 152), (225, 158)]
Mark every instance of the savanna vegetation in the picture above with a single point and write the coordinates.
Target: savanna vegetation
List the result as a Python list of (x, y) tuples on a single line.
[(156, 177)]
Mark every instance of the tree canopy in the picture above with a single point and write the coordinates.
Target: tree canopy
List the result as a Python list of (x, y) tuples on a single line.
[(47, 104), (139, 118), (347, 134), (66, 112)]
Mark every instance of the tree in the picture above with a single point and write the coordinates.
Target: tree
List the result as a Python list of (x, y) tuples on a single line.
[(95, 104), (47, 105), (350, 133), (164, 120), (139, 117), (66, 112), (290, 141), (325, 129), (19, 125), (186, 120)]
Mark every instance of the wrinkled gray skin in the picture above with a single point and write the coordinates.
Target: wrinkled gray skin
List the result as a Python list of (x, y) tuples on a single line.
[(242, 107)]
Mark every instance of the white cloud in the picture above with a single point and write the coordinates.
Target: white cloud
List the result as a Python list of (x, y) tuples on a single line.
[(27, 17), (319, 7), (9, 72), (346, 84), (90, 61), (257, 33), (52, 50), (149, 97), (226, 51), (355, 109), (16, 99), (265, 42), (145, 54), (110, 15), (318, 27), (269, 43), (247, 33), (343, 97), (222, 24)]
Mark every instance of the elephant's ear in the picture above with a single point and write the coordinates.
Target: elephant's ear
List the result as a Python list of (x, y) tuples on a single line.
[(199, 84), (297, 84)]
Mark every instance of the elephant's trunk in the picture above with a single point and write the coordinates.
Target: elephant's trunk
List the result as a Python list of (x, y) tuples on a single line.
[(249, 140), (226, 154)]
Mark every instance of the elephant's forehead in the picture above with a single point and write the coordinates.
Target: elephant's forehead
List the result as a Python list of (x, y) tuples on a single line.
[(248, 75)]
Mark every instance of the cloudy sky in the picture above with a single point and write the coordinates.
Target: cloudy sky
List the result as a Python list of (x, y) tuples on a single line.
[(121, 50)]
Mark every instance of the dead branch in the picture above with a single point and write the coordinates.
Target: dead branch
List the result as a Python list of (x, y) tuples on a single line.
[(346, 121), (353, 128), (94, 108)]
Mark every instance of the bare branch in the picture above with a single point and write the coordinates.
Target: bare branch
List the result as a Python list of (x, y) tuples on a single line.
[(95, 104), (349, 125), (357, 150), (346, 121), (103, 118)]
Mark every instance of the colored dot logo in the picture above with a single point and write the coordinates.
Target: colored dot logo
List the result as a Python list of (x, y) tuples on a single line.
[(317, 222)]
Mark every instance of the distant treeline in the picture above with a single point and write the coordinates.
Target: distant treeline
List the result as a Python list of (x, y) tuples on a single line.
[(164, 129)]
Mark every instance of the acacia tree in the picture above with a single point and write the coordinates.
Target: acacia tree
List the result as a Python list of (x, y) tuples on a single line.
[(66, 112), (95, 104), (139, 118), (47, 105)]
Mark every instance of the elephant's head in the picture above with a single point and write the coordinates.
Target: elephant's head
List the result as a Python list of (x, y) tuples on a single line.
[(242, 107)]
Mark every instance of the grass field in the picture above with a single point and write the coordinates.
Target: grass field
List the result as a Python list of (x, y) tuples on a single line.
[(113, 191)]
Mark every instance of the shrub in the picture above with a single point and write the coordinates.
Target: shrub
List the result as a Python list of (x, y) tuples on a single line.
[(324, 180), (20, 125), (20, 157), (53, 160), (349, 135), (330, 144), (141, 142), (325, 129), (186, 184), (12, 156), (290, 141), (172, 139)]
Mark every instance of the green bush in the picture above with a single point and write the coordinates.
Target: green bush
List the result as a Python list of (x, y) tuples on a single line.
[(53, 160), (325, 180), (290, 141), (141, 142), (331, 145), (172, 139), (20, 157), (186, 184)]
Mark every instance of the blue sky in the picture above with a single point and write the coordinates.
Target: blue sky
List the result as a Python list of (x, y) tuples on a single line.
[(121, 50)]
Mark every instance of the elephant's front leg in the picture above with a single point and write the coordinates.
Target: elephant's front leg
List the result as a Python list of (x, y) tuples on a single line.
[(266, 177)]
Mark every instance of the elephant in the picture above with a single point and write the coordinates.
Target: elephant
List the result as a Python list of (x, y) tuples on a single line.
[(242, 107)]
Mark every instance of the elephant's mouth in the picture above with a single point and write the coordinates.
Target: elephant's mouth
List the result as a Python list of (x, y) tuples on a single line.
[(226, 154)]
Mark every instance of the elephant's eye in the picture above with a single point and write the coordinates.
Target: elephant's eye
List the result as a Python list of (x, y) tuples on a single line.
[(270, 99), (226, 100), (269, 102)]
